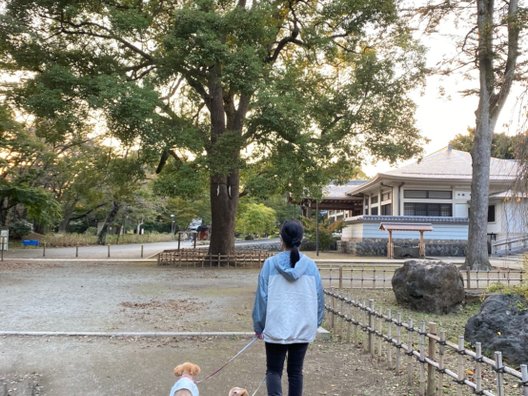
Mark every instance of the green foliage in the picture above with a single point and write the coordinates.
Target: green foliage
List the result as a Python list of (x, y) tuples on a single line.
[(40, 204), (294, 94), (19, 229), (187, 209), (502, 146), (256, 219), (501, 288), (326, 229)]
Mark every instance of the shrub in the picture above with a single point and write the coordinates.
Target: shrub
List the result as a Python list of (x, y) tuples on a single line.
[(500, 288), (19, 229)]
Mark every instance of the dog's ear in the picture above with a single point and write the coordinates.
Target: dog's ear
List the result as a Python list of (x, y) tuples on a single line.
[(244, 393), (194, 369), (190, 368), (178, 370)]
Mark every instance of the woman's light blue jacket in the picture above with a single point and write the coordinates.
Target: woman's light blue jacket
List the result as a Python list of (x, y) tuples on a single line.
[(289, 302)]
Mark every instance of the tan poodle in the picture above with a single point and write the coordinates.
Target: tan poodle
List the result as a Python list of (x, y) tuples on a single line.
[(185, 386), (236, 391)]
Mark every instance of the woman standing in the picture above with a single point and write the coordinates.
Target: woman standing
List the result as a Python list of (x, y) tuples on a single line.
[(289, 307)]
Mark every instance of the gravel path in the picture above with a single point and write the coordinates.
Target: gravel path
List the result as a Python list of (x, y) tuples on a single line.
[(142, 297)]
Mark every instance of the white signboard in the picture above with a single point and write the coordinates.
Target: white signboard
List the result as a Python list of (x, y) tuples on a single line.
[(4, 239)]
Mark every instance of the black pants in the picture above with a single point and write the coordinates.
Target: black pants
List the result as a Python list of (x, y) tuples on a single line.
[(275, 356)]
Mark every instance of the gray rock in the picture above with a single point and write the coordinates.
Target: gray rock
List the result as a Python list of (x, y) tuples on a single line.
[(501, 325), (428, 286)]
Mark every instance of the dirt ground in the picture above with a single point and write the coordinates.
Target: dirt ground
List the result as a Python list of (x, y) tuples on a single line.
[(143, 297)]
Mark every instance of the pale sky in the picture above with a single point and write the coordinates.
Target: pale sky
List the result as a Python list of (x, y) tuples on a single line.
[(443, 112)]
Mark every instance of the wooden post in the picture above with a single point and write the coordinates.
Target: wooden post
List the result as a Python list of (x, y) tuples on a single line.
[(468, 278), (441, 353), (398, 341), (44, 249), (410, 353), (431, 390), (461, 373), (349, 325), (422, 378), (76, 251), (141, 251), (332, 318), (390, 251), (371, 327), (179, 240), (421, 245), (380, 339), (389, 335), (524, 379), (499, 367), (108, 250), (340, 277), (478, 367)]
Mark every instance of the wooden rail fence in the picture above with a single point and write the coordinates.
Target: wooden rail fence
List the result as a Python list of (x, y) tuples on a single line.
[(431, 362), (379, 276), (201, 258)]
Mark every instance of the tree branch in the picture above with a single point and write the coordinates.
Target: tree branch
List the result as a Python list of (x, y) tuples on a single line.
[(497, 101), (110, 35)]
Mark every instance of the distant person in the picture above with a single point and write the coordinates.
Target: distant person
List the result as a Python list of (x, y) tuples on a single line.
[(289, 307)]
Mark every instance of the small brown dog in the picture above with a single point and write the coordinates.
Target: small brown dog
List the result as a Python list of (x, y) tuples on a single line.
[(236, 391), (185, 386)]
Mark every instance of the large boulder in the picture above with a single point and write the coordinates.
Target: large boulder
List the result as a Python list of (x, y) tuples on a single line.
[(428, 286), (501, 325)]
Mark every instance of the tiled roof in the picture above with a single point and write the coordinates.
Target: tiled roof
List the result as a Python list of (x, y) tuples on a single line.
[(452, 164), (340, 191)]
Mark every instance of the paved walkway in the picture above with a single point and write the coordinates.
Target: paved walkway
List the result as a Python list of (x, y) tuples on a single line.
[(144, 251), (148, 252)]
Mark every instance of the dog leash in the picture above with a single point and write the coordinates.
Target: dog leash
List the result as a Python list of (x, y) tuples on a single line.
[(258, 387), (229, 361)]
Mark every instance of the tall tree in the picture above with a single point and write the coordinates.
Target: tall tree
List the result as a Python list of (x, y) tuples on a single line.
[(495, 81), (488, 50), (307, 85)]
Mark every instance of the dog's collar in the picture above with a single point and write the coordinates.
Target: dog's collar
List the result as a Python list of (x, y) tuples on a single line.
[(185, 375)]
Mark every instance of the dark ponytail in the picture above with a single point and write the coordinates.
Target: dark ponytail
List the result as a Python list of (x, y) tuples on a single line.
[(291, 234)]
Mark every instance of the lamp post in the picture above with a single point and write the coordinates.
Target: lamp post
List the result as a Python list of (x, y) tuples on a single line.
[(173, 225)]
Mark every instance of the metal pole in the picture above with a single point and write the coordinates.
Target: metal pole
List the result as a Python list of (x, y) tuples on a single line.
[(108, 250), (179, 240), (44, 249), (141, 251), (317, 227)]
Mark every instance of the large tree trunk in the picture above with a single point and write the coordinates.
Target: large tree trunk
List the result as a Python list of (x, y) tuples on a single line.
[(224, 152), (477, 251), (112, 214), (224, 203), (490, 105), (66, 217)]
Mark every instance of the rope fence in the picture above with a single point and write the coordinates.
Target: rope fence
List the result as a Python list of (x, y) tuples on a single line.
[(201, 258), (379, 276), (423, 353)]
